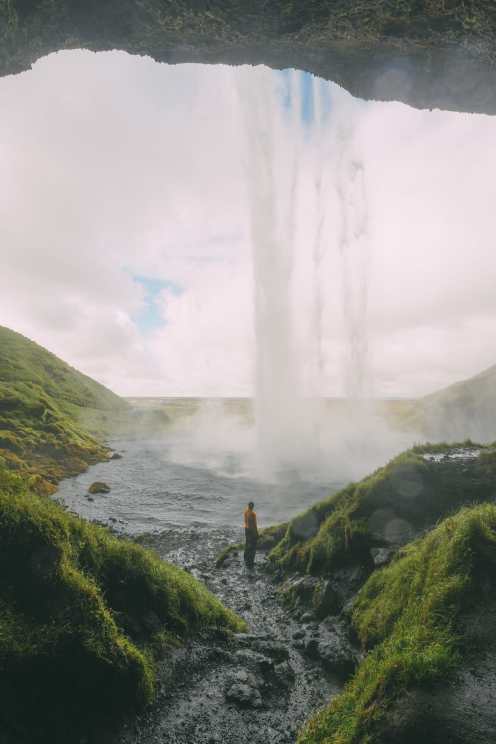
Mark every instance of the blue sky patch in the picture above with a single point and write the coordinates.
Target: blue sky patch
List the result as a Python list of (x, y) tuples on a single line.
[(151, 315)]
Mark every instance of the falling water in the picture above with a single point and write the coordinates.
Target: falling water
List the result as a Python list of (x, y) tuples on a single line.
[(354, 256), (289, 148), (272, 222)]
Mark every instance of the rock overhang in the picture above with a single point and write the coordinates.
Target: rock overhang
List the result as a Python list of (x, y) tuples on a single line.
[(426, 53)]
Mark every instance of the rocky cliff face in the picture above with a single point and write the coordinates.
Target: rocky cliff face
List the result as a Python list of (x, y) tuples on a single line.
[(428, 53)]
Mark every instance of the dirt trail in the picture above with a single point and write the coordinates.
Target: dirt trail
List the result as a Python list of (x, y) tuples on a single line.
[(258, 689)]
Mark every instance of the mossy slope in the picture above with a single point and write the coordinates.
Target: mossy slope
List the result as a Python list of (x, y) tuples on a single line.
[(81, 616), (46, 412), (410, 615), (389, 507)]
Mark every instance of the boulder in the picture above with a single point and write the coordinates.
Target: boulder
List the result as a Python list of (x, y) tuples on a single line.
[(243, 694), (273, 649), (325, 600), (99, 487), (255, 661), (334, 648), (382, 556), (242, 688)]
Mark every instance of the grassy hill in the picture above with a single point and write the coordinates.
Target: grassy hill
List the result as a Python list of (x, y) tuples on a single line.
[(49, 413)]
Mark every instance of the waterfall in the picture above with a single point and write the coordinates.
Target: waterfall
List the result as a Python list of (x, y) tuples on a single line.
[(354, 256), (295, 153)]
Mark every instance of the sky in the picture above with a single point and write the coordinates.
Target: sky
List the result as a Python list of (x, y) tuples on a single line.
[(128, 191)]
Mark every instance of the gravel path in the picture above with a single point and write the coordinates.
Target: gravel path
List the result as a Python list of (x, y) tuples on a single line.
[(259, 688)]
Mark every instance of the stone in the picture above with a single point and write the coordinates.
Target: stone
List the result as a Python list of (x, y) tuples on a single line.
[(326, 600), (311, 647), (284, 673), (255, 660), (382, 556), (116, 456), (335, 650), (244, 695), (242, 688), (99, 487), (274, 649)]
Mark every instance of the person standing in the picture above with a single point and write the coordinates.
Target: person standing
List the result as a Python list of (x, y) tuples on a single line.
[(251, 535)]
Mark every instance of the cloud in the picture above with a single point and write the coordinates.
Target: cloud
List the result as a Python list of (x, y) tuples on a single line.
[(122, 179)]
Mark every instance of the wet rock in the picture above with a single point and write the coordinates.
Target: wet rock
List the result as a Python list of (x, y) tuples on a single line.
[(299, 591), (249, 639), (274, 649), (307, 617), (382, 556), (298, 634), (255, 661), (335, 650), (311, 647), (244, 695), (284, 673), (242, 688), (325, 600), (99, 487), (116, 456)]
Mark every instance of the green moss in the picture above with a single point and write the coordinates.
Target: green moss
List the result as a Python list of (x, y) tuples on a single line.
[(409, 493), (408, 614), (82, 615)]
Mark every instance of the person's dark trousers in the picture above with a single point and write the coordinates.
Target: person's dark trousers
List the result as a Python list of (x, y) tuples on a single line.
[(251, 539)]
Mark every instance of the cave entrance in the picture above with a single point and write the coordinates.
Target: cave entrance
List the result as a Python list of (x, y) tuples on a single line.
[(133, 194)]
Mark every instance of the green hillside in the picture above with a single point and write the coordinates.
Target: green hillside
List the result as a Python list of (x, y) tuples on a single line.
[(49, 413)]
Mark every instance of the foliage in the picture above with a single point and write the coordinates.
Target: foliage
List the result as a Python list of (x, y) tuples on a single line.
[(82, 614), (408, 614)]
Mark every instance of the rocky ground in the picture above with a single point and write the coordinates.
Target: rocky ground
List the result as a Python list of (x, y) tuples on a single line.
[(259, 687)]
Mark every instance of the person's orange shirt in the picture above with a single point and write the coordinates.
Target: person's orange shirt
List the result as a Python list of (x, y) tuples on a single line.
[(250, 519)]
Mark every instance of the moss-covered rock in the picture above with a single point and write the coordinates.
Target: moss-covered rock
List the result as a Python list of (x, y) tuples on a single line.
[(82, 615), (99, 487), (426, 620), (429, 53)]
